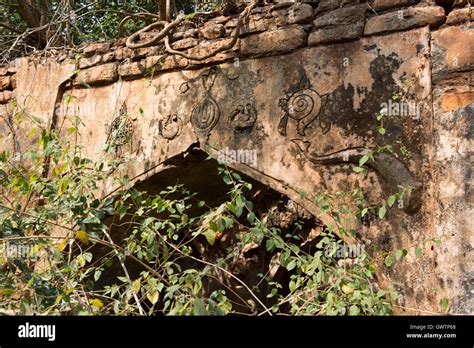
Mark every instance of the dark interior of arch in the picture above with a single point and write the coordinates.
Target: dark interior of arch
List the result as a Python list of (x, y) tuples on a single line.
[(199, 173)]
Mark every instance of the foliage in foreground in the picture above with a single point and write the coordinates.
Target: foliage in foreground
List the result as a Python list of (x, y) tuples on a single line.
[(65, 220)]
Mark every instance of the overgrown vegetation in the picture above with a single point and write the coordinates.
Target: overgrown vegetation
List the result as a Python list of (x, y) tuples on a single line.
[(28, 25), (177, 255)]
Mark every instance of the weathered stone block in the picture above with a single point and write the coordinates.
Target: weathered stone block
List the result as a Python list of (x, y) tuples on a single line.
[(96, 48), (135, 69), (5, 96), (254, 24), (450, 50), (185, 43), (405, 19), (13, 81), (142, 52), (85, 63), (278, 41), (154, 62), (459, 16), (341, 24), (108, 57), (220, 20), (174, 62), (209, 46), (384, 4), (342, 16), (334, 34), (191, 33), (231, 24), (106, 73), (184, 30), (298, 13), (212, 31), (5, 83), (12, 68), (453, 101), (326, 5), (124, 53)]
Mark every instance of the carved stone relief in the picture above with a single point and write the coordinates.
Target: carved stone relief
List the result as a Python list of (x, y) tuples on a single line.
[(303, 106), (243, 117), (121, 130), (206, 113), (170, 127)]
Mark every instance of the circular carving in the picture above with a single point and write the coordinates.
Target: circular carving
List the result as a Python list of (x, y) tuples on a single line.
[(243, 117), (206, 114), (304, 103), (184, 88), (170, 127)]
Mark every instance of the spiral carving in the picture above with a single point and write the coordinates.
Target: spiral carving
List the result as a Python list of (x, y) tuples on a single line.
[(206, 114), (304, 103), (303, 106)]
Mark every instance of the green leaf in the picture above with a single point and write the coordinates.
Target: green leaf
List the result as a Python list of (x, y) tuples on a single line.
[(363, 160), (444, 303), (239, 210), (364, 211), (91, 220), (236, 176), (210, 236), (357, 169), (153, 296), (354, 310), (97, 303), (291, 285), (199, 307), (87, 257), (274, 291), (347, 289), (213, 226), (382, 130), (285, 258), (418, 251), (97, 274), (382, 212), (400, 253), (251, 217), (82, 236), (7, 291), (388, 261), (123, 279), (227, 180), (291, 265), (391, 200), (80, 260), (136, 285)]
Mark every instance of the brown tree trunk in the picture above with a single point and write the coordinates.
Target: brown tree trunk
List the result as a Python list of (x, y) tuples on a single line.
[(162, 8), (35, 15)]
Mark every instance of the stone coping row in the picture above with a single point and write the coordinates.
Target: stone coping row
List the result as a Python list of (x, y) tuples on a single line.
[(269, 30)]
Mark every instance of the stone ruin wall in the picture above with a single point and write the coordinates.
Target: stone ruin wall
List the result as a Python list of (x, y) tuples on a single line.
[(301, 86)]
